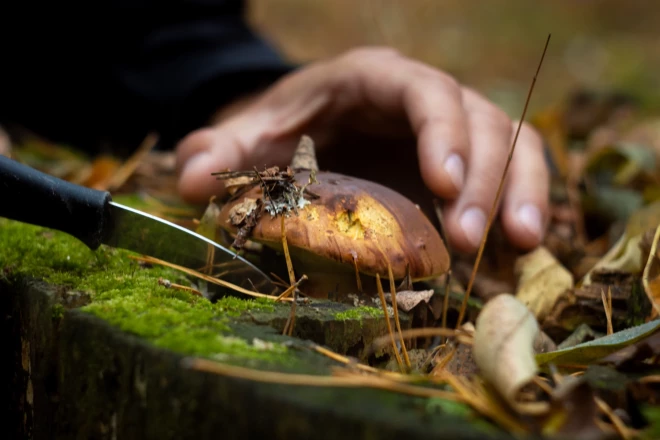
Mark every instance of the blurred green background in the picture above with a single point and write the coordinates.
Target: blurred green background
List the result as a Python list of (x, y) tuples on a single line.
[(493, 46)]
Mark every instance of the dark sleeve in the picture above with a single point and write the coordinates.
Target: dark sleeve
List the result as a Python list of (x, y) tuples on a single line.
[(133, 68), (193, 61)]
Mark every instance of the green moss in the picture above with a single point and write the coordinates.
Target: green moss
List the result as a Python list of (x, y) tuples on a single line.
[(359, 313), (127, 295), (58, 311)]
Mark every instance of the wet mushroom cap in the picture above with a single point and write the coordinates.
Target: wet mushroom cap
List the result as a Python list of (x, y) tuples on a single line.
[(353, 217)]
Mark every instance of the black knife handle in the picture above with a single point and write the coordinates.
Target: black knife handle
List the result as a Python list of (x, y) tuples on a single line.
[(30, 196)]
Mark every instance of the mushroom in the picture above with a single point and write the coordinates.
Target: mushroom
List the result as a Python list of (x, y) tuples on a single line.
[(344, 222)]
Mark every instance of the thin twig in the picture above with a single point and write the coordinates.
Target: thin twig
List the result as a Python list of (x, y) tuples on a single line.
[(493, 210)]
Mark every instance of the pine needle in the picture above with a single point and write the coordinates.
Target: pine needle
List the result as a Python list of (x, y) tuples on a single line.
[(607, 305), (346, 380), (498, 194), (395, 308), (205, 277), (381, 294)]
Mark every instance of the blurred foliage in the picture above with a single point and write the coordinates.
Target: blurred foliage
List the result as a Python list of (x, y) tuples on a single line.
[(492, 46)]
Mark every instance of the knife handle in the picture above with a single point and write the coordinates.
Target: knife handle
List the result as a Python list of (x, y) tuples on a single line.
[(30, 196)]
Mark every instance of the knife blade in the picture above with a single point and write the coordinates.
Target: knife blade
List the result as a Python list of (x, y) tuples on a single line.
[(31, 196)]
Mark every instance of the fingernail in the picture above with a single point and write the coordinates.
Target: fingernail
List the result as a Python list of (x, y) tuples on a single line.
[(473, 222), (530, 217), (456, 170)]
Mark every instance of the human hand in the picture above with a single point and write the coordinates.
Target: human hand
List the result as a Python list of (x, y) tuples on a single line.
[(462, 139)]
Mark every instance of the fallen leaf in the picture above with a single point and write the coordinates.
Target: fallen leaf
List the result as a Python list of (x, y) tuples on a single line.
[(100, 174), (235, 183), (503, 349), (241, 211), (407, 300), (591, 351), (542, 280)]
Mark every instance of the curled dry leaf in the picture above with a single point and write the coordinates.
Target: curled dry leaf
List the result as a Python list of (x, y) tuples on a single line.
[(626, 255), (542, 281), (503, 350), (651, 277)]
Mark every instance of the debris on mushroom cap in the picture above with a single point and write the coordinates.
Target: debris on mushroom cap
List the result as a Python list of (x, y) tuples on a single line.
[(347, 216)]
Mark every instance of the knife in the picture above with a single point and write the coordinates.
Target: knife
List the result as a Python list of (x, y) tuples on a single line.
[(31, 196)]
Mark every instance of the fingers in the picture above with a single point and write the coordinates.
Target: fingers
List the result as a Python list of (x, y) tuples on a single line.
[(429, 99), (526, 203), (490, 136), (524, 200)]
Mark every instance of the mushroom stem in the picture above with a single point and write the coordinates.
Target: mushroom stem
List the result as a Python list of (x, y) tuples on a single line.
[(305, 156)]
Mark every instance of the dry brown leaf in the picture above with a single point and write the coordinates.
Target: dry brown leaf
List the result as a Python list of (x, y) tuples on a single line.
[(407, 300), (240, 211), (235, 183), (651, 276), (542, 280), (503, 350), (99, 175)]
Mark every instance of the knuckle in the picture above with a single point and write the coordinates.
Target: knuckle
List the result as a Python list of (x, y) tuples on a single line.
[(496, 117), (360, 54)]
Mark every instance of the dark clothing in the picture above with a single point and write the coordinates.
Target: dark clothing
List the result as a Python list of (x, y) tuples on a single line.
[(116, 74)]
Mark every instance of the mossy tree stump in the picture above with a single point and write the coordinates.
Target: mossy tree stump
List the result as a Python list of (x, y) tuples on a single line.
[(96, 348)]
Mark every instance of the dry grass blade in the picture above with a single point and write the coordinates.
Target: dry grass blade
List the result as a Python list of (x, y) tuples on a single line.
[(346, 380), (607, 305), (498, 194), (381, 295), (205, 277)]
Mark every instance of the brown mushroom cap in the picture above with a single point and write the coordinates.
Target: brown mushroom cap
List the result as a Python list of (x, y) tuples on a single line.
[(353, 217)]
